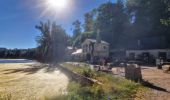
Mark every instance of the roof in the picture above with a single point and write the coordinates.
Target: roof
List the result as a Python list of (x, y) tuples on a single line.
[(79, 51), (94, 41)]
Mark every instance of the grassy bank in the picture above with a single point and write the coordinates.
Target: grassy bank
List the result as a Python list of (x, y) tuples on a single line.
[(112, 88)]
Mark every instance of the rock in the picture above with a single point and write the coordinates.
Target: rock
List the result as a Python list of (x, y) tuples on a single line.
[(133, 72), (166, 68)]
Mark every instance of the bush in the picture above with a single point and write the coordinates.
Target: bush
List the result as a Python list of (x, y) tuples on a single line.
[(88, 73)]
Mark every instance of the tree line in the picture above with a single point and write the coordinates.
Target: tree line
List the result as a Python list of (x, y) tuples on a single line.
[(18, 53)]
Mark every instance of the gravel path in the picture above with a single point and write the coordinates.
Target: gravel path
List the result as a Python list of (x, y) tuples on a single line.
[(158, 79), (31, 81)]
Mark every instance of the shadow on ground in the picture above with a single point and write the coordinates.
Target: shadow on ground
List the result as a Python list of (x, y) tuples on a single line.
[(152, 86), (32, 69)]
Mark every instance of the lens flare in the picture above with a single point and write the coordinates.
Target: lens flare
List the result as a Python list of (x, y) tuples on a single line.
[(57, 4)]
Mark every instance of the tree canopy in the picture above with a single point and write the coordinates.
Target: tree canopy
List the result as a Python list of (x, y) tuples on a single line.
[(121, 22)]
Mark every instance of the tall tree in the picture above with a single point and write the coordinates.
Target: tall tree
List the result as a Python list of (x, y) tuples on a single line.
[(76, 32), (147, 15), (76, 29), (59, 42), (111, 22), (44, 41), (89, 22), (51, 42)]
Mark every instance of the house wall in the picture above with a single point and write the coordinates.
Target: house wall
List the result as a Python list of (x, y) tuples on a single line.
[(100, 49)]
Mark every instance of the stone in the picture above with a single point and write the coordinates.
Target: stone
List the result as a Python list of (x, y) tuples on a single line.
[(166, 68), (133, 72)]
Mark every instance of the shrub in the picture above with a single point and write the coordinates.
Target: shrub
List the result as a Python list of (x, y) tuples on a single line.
[(88, 73)]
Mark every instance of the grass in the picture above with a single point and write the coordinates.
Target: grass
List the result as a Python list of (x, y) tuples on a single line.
[(18, 83), (5, 96), (112, 88)]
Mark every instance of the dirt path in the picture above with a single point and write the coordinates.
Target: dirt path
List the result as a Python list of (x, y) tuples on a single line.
[(31, 81), (160, 80)]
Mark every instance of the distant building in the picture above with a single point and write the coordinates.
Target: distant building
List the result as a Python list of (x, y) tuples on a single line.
[(78, 55), (146, 48), (93, 49), (69, 51), (150, 53)]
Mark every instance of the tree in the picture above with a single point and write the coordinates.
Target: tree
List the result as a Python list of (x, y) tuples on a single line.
[(59, 42), (147, 15), (76, 29), (51, 42), (44, 41), (111, 21), (166, 21), (89, 22)]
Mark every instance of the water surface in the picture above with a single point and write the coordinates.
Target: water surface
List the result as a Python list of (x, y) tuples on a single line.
[(3, 61)]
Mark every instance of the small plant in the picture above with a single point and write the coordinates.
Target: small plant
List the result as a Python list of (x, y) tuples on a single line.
[(88, 73)]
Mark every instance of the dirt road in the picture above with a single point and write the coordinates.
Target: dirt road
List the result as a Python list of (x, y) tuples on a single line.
[(160, 81), (31, 81)]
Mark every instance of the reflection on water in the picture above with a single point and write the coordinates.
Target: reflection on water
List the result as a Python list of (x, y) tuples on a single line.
[(15, 61)]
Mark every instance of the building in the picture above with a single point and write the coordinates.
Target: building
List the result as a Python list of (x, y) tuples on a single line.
[(93, 49), (145, 48), (154, 53), (68, 54), (77, 55)]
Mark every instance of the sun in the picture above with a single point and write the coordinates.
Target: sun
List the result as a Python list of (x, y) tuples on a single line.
[(55, 8), (57, 4)]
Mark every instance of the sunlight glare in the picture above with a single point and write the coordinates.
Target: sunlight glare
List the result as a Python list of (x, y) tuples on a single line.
[(57, 4)]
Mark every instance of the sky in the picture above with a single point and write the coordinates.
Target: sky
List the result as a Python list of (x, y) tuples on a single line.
[(19, 17)]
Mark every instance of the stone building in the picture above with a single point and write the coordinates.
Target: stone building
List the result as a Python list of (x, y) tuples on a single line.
[(94, 50)]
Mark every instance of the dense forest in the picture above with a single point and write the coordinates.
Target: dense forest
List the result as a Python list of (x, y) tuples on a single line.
[(121, 24)]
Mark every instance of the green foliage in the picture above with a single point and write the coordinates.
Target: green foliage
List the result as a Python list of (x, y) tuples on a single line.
[(79, 92), (89, 23), (77, 28), (165, 22), (88, 73), (112, 87), (111, 21), (85, 70), (147, 15)]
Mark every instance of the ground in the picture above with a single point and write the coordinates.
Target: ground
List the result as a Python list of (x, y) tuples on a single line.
[(35, 81), (156, 80), (31, 81), (160, 81)]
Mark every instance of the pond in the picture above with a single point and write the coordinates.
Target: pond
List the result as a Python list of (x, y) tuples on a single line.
[(2, 61)]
